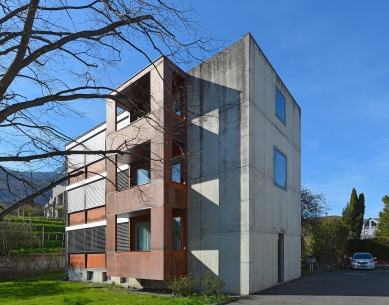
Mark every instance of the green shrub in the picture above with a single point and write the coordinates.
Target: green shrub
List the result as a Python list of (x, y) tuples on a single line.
[(212, 285), (372, 245), (182, 286), (39, 250)]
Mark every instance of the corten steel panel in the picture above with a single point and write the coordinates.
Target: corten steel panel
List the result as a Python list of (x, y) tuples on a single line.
[(111, 167), (138, 132), (78, 178), (111, 233), (77, 260), (133, 199), (96, 168), (179, 129), (161, 228), (155, 265), (175, 194), (157, 260), (134, 264), (179, 263), (95, 214), (76, 218), (95, 260)]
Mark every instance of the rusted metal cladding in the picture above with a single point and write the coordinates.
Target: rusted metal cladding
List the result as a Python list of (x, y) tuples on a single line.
[(161, 228), (155, 265), (133, 199), (95, 214), (159, 197), (175, 194), (76, 218), (77, 260), (95, 260), (131, 264), (138, 132), (179, 263), (111, 233)]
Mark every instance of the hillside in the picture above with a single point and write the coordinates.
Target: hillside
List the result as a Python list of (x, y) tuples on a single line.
[(11, 189)]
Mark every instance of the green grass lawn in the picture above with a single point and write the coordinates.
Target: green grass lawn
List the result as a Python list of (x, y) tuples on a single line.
[(50, 289)]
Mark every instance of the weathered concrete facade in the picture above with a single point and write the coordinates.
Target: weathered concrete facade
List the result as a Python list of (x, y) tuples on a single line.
[(237, 196), (239, 220)]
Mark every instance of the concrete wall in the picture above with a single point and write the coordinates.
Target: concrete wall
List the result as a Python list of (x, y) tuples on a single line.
[(273, 209), (218, 98), (235, 211), (30, 264)]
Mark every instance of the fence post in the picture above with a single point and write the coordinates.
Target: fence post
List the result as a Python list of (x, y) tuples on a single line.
[(43, 236)]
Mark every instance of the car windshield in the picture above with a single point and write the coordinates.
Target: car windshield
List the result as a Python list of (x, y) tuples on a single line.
[(362, 256)]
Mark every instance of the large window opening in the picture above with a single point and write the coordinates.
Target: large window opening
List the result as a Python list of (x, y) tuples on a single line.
[(178, 162), (178, 227), (137, 102), (138, 171), (141, 231), (178, 94)]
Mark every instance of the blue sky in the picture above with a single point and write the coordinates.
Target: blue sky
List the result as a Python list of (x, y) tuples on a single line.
[(333, 56)]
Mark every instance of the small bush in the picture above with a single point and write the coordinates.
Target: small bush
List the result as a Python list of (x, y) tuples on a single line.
[(182, 286), (212, 285), (39, 250)]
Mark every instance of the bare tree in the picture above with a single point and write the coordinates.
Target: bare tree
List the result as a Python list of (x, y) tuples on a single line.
[(65, 53)]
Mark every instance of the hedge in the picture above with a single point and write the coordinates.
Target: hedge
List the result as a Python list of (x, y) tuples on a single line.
[(374, 246)]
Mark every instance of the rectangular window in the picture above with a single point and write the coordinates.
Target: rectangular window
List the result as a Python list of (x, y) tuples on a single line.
[(279, 169), (142, 176), (280, 106), (176, 169), (76, 241), (142, 236), (95, 239), (176, 226)]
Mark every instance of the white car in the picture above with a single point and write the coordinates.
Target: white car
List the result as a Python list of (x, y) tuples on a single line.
[(362, 260)]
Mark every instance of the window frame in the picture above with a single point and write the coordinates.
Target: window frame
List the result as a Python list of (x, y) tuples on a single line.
[(133, 231), (276, 150), (283, 120)]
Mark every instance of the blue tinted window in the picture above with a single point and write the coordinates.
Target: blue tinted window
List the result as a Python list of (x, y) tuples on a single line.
[(176, 226), (279, 169), (280, 106), (142, 233), (176, 169), (142, 176)]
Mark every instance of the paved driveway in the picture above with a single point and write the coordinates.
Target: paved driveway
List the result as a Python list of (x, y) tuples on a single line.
[(344, 287)]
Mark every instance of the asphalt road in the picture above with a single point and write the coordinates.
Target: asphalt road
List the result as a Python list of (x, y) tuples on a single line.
[(346, 287)]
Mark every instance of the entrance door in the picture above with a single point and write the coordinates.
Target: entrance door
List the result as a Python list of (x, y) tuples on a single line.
[(280, 258)]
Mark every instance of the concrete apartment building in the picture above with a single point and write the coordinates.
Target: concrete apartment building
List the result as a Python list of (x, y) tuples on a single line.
[(55, 207), (208, 178)]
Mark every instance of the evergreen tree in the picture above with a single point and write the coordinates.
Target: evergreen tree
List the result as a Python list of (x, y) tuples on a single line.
[(383, 228), (361, 211), (353, 214)]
